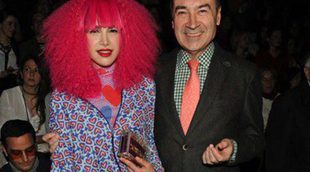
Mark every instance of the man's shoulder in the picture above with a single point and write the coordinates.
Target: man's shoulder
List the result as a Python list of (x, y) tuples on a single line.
[(167, 60), (227, 59), (298, 95), (169, 55), (6, 168), (12, 90), (44, 164), (12, 94)]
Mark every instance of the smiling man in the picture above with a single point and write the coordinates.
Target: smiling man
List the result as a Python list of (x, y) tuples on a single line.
[(208, 105), (18, 139)]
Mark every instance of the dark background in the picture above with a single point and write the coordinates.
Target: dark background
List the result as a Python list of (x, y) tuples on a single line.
[(249, 16)]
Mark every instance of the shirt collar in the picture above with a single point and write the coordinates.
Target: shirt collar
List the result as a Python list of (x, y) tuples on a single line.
[(183, 57)]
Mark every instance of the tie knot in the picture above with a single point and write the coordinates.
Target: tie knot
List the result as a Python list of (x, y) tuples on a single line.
[(193, 64)]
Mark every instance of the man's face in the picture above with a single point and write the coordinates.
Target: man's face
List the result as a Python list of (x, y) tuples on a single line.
[(275, 38), (194, 23), (21, 151), (37, 23), (268, 82), (8, 26)]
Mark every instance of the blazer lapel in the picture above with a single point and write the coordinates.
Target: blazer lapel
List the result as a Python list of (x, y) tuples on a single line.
[(216, 75), (166, 86)]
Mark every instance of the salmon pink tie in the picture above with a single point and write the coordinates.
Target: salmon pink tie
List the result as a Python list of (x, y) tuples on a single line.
[(190, 96)]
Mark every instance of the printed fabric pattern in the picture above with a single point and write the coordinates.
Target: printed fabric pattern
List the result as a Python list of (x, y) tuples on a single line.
[(87, 141)]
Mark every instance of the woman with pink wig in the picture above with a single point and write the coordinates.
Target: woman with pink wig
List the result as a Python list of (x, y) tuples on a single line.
[(101, 55)]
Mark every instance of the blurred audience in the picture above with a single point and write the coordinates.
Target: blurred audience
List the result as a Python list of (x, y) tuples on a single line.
[(287, 133), (243, 45), (307, 68), (273, 56), (26, 101), (268, 78), (8, 50), (19, 146), (34, 47)]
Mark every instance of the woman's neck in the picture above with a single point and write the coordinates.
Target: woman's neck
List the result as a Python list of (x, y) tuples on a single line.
[(31, 91), (104, 70)]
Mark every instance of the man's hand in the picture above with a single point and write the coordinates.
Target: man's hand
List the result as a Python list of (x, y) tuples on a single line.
[(52, 140), (219, 153), (145, 166)]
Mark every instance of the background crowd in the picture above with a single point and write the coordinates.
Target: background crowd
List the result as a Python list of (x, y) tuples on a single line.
[(268, 33)]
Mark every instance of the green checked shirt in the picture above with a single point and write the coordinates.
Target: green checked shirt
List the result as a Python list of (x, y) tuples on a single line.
[(183, 71)]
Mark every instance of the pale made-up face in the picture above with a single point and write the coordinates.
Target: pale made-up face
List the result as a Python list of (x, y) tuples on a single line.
[(103, 45), (194, 23), (30, 74), (8, 26), (21, 151)]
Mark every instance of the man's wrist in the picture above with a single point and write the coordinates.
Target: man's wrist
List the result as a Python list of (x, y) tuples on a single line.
[(234, 153)]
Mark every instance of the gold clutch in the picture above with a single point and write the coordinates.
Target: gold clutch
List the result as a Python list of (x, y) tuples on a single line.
[(131, 146)]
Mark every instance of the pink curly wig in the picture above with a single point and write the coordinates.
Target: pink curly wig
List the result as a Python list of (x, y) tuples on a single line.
[(67, 53)]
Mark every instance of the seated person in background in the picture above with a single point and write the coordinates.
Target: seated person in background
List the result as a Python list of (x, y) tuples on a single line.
[(8, 50), (269, 79), (287, 132), (26, 101), (18, 139), (34, 46)]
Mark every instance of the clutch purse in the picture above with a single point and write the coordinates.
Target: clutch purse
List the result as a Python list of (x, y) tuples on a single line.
[(131, 146)]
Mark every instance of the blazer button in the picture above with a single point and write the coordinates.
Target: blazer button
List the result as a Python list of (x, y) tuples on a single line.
[(185, 147)]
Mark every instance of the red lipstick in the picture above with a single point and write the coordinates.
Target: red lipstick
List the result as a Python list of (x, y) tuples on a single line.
[(104, 52)]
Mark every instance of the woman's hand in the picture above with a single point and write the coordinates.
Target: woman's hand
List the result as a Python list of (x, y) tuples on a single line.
[(52, 140), (144, 165)]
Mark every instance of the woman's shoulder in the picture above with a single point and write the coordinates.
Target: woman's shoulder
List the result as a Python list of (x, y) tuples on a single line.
[(146, 83), (149, 81), (61, 95), (12, 91)]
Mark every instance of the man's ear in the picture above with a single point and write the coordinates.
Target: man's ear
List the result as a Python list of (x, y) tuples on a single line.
[(4, 151), (172, 24), (219, 16)]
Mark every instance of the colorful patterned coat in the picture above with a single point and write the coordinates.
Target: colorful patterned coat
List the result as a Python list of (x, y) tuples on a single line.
[(87, 141)]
